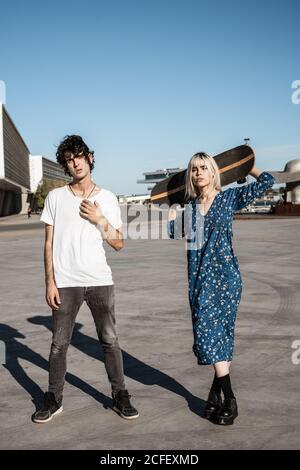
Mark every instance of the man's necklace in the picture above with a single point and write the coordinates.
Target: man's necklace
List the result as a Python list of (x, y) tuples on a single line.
[(82, 196)]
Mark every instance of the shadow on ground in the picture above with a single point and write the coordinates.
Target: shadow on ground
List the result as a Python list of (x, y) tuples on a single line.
[(134, 368)]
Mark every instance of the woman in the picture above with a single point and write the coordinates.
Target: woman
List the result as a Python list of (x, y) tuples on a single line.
[(215, 283)]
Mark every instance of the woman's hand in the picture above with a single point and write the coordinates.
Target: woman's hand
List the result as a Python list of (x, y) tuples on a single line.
[(255, 172), (172, 214)]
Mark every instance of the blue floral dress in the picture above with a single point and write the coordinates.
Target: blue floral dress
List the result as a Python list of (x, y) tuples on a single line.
[(215, 283)]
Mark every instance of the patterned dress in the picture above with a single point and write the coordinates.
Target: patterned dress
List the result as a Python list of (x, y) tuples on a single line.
[(214, 278)]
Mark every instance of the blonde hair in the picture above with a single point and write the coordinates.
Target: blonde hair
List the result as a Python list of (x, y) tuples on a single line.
[(215, 182)]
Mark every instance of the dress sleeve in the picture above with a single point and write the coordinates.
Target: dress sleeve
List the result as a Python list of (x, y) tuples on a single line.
[(243, 196)]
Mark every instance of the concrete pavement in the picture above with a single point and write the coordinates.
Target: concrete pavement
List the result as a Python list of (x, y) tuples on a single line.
[(155, 334)]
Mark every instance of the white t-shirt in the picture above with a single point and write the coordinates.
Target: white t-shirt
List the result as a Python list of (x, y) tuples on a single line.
[(78, 254)]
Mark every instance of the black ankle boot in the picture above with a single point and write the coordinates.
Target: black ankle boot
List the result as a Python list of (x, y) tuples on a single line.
[(228, 412), (213, 404)]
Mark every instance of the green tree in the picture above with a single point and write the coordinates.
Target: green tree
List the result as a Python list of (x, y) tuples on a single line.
[(43, 189)]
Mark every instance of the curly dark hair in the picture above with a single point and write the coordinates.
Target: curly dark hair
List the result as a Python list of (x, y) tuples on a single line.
[(72, 144)]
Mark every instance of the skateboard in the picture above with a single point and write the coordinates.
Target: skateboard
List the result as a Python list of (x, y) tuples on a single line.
[(234, 165)]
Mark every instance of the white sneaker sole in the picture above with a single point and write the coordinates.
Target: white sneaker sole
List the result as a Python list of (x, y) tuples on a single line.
[(42, 421), (123, 416)]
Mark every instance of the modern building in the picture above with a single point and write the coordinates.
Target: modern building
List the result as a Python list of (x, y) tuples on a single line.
[(14, 167), (290, 203), (41, 167), (134, 199), (20, 173), (153, 177)]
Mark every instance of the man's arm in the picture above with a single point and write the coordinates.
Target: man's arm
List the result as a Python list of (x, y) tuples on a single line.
[(112, 236), (52, 293), (48, 259)]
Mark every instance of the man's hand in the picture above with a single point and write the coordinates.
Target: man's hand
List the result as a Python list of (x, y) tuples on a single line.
[(92, 212), (52, 296)]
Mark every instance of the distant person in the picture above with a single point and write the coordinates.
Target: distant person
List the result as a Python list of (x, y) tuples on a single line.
[(79, 217), (214, 278), (29, 211)]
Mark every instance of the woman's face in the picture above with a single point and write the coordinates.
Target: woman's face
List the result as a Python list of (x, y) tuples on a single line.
[(201, 175)]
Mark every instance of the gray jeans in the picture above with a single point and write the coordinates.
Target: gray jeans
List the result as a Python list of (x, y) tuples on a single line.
[(101, 302)]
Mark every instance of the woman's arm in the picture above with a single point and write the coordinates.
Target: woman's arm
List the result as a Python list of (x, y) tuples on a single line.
[(172, 215), (243, 196), (175, 224), (255, 172), (111, 235)]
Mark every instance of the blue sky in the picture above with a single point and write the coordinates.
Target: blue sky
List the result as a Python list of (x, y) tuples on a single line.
[(148, 83)]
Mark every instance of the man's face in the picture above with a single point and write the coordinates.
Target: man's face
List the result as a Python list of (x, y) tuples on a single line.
[(78, 165)]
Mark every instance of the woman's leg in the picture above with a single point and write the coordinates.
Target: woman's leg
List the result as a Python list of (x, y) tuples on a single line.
[(228, 411), (222, 377), (222, 368), (214, 400)]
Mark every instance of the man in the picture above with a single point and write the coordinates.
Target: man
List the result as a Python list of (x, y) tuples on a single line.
[(79, 217)]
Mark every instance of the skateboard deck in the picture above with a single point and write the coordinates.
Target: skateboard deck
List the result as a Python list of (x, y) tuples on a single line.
[(234, 165)]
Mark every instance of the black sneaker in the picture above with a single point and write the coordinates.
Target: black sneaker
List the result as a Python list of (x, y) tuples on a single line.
[(122, 405), (50, 409)]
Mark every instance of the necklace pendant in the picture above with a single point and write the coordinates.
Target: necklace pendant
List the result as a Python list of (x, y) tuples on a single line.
[(83, 195)]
